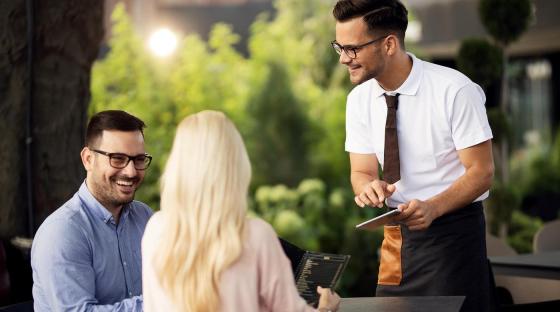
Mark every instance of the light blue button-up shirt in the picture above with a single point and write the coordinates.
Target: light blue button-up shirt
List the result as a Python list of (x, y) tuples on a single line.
[(83, 261)]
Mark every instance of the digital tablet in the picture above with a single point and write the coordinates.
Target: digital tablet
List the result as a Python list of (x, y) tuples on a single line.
[(378, 221)]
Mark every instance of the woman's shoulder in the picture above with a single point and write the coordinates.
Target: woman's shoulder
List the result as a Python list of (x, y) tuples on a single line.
[(257, 226), (156, 220), (259, 233), (154, 228)]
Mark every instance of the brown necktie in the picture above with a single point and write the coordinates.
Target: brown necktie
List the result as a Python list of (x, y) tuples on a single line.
[(391, 162)]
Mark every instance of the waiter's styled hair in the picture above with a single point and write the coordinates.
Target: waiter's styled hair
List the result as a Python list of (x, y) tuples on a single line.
[(381, 16)]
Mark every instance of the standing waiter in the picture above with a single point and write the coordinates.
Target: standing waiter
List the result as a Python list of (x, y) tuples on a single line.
[(427, 127)]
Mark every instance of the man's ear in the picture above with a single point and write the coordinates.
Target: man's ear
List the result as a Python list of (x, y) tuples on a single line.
[(392, 45), (87, 158)]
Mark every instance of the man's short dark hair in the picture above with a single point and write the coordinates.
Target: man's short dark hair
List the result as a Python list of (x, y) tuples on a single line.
[(111, 120), (379, 15)]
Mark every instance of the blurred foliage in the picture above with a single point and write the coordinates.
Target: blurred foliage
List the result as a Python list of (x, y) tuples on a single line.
[(480, 61), (504, 201), (280, 127), (521, 231), (500, 124), (536, 170), (287, 98), (505, 20)]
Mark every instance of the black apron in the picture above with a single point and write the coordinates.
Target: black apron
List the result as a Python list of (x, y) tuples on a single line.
[(447, 259)]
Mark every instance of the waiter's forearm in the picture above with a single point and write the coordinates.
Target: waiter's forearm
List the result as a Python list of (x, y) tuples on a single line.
[(363, 170), (476, 180), (359, 180)]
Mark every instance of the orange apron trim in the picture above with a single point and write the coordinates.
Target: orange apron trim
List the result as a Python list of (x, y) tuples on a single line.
[(390, 267)]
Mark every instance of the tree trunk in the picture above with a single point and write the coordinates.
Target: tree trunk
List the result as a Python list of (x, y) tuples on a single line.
[(66, 38)]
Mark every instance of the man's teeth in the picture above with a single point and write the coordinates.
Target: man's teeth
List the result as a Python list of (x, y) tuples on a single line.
[(124, 183)]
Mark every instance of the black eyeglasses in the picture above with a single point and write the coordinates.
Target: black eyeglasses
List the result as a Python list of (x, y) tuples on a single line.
[(352, 51), (120, 161)]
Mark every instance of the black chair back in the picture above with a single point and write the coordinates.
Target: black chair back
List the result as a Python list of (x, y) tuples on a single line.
[(26, 306)]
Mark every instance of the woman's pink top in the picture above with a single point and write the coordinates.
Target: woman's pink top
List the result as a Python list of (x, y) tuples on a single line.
[(260, 280)]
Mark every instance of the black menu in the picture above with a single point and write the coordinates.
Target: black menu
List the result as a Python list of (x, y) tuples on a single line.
[(312, 269)]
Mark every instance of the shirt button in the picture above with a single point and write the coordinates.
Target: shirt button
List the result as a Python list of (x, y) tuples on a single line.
[(124, 263), (130, 294)]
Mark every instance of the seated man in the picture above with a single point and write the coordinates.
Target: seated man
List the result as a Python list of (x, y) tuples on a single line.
[(86, 255)]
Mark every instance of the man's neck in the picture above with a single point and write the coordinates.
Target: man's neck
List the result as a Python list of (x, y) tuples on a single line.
[(114, 210), (396, 73)]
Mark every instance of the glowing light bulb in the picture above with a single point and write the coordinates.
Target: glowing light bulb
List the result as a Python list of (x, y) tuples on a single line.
[(163, 42)]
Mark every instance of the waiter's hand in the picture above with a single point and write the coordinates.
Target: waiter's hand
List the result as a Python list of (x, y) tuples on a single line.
[(374, 194), (416, 214)]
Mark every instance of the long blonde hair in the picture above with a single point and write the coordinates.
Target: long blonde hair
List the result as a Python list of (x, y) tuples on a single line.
[(204, 204)]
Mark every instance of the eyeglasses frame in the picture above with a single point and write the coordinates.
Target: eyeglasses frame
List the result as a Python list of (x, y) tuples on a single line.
[(354, 49), (133, 158)]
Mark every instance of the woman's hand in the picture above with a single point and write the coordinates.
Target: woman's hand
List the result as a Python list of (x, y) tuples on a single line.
[(329, 300)]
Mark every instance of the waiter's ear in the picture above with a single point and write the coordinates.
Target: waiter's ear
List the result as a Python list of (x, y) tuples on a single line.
[(392, 45)]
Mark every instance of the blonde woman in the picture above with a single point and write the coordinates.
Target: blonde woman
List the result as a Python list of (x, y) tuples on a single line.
[(201, 252)]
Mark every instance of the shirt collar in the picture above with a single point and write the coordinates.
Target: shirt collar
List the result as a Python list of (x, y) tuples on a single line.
[(409, 86), (93, 205)]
